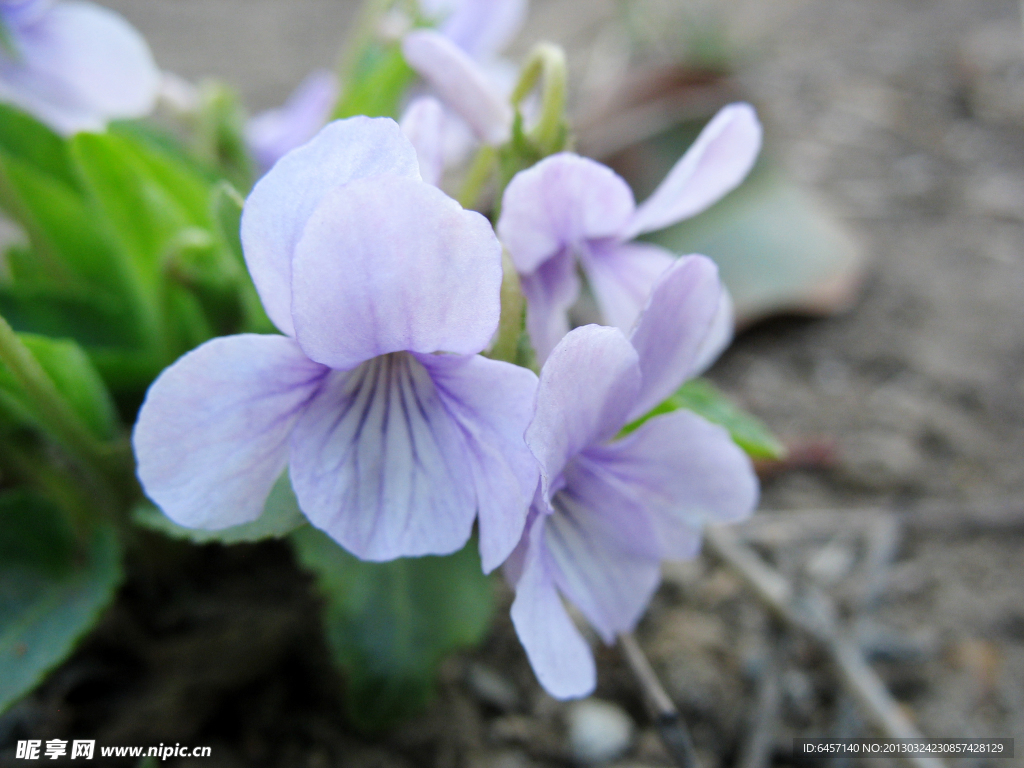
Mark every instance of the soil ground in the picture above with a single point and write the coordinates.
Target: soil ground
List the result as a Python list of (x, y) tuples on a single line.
[(907, 118)]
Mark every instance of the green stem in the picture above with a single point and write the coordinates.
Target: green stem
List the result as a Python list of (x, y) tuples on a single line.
[(546, 61), (55, 415), (510, 326), (477, 176)]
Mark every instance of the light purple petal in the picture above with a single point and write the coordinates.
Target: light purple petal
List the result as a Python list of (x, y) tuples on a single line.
[(390, 264), (379, 463), (586, 389), (281, 203), (684, 471), (718, 161), (719, 336), (493, 404), (460, 83), (672, 329), (549, 292), (18, 13), (559, 655), (482, 28), (80, 66), (423, 124), (603, 547), (212, 436), (559, 203), (622, 276), (272, 134)]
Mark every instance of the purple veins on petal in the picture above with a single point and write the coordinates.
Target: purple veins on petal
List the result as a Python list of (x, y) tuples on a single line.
[(75, 65), (396, 433), (378, 463), (212, 436)]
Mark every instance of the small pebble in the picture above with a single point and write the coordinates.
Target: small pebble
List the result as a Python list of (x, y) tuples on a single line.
[(491, 688), (599, 731)]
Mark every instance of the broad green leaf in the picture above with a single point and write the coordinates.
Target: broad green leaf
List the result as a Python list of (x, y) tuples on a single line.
[(377, 84), (75, 378), (24, 137), (48, 598), (704, 399), (36, 534), (389, 625), (280, 517)]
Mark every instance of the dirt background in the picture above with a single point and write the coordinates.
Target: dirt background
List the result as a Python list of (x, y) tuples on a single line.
[(906, 117)]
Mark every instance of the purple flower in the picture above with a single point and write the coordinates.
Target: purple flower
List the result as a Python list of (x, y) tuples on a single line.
[(609, 510), (272, 134), (461, 83), (74, 65), (392, 449), (423, 123), (482, 28), (568, 209)]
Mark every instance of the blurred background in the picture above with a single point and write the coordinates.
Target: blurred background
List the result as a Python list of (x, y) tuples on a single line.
[(879, 272)]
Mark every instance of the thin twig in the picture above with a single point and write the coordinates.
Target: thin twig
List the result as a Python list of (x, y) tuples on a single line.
[(814, 613), (757, 748), (670, 724)]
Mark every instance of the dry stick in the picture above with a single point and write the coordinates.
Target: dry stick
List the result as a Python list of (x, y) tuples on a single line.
[(757, 748), (815, 616), (670, 724)]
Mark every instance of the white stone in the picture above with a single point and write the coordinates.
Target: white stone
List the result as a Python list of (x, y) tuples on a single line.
[(599, 731)]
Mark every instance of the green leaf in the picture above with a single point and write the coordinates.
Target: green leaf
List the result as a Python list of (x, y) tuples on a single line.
[(377, 84), (48, 597), (704, 399), (92, 320), (226, 209), (147, 201), (75, 378), (389, 625), (281, 516), (68, 248), (31, 142), (219, 136), (36, 534)]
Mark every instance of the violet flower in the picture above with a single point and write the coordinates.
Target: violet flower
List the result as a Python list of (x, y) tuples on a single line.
[(570, 210), (74, 65), (272, 134), (423, 123), (461, 83), (608, 511), (481, 28), (392, 450)]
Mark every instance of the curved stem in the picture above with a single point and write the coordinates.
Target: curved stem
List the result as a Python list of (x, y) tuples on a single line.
[(477, 175), (669, 722), (545, 61)]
